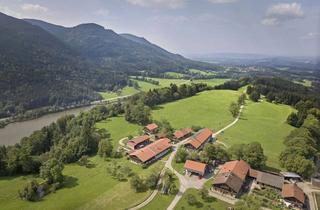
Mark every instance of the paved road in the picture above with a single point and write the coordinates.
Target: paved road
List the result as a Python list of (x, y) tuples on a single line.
[(309, 190)]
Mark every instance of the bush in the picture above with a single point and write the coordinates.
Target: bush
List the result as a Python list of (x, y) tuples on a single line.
[(29, 191), (192, 200)]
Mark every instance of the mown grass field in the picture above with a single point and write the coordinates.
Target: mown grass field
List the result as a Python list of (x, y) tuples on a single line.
[(175, 74), (85, 188), (211, 82), (262, 122), (124, 92), (201, 72), (212, 202), (207, 109)]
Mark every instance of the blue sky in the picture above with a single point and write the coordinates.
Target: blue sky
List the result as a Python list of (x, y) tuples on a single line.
[(273, 27)]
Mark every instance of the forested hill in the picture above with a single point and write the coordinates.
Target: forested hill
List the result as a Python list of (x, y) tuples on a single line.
[(119, 52), (38, 69)]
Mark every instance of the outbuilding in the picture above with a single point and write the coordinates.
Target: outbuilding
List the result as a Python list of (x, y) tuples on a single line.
[(194, 167), (151, 128), (293, 194)]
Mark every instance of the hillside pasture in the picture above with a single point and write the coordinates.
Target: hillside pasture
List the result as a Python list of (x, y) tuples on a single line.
[(261, 122)]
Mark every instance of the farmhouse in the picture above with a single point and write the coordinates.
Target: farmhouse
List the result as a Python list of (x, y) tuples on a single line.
[(198, 140), (193, 167), (138, 142), (292, 194), (183, 133), (151, 152), (231, 177), (151, 128), (271, 180)]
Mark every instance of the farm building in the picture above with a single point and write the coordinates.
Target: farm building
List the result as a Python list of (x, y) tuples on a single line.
[(270, 180), (290, 176), (198, 140), (183, 133), (151, 152), (292, 194), (151, 128), (231, 177), (194, 167), (138, 142)]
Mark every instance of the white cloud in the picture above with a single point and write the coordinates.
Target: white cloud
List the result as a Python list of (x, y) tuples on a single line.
[(311, 35), (222, 1), (34, 8), (282, 12), (169, 19), (6, 10), (173, 4)]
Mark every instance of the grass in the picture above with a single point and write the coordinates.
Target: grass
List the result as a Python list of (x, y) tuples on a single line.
[(207, 109), (212, 202), (175, 74), (124, 92), (262, 122), (201, 72), (161, 201), (304, 82), (85, 188), (211, 82), (118, 128)]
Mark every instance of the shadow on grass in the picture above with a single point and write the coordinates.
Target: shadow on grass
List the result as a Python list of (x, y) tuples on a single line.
[(70, 182), (269, 168)]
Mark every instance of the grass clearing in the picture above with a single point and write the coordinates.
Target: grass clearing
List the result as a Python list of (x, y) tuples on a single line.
[(207, 109), (211, 82), (123, 92), (262, 122), (85, 188), (304, 82), (201, 72), (174, 74), (212, 202)]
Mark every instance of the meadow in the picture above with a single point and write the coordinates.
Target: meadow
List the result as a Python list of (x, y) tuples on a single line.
[(262, 122), (207, 109), (84, 187), (213, 203), (201, 72)]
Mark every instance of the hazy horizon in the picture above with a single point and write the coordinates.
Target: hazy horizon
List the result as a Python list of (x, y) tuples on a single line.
[(187, 27)]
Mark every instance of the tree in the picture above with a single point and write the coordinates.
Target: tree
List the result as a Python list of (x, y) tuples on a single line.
[(51, 171), (105, 148), (137, 183), (293, 119), (191, 199), (165, 128), (234, 109), (254, 156), (248, 202), (152, 180), (29, 191), (204, 193), (242, 99), (167, 181), (181, 155), (254, 96), (236, 151), (249, 89), (84, 161)]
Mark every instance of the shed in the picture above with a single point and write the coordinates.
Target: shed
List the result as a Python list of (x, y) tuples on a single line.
[(195, 167)]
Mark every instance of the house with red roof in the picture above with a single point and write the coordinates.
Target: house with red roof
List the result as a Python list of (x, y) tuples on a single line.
[(198, 140), (151, 152), (183, 133), (292, 194), (193, 167), (231, 177), (138, 142), (151, 128)]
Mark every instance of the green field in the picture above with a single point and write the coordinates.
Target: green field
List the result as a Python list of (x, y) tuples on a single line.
[(85, 188), (175, 74), (304, 82), (213, 202), (211, 82), (262, 122), (207, 109), (201, 72), (124, 92)]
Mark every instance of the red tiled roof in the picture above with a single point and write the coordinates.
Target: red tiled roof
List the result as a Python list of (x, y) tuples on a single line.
[(199, 138), (152, 149), (151, 126), (138, 140), (195, 166), (181, 133), (238, 167), (293, 191)]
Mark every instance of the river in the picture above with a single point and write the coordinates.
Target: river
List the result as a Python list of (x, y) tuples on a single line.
[(14, 132)]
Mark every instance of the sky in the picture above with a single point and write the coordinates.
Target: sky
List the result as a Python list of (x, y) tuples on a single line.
[(193, 27)]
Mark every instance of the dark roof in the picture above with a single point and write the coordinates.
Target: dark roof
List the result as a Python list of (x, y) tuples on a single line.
[(293, 191), (290, 175), (270, 179), (229, 179)]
